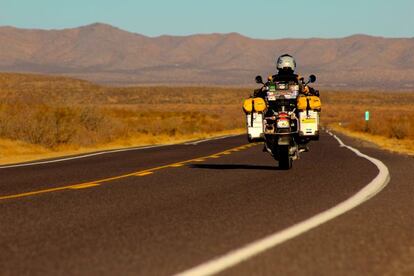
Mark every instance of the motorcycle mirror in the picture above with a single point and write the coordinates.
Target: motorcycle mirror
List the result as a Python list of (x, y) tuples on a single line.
[(259, 79), (312, 78)]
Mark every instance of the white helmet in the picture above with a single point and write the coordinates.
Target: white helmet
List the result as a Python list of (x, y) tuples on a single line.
[(286, 62)]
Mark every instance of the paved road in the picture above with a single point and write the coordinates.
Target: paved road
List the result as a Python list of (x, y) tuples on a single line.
[(164, 210)]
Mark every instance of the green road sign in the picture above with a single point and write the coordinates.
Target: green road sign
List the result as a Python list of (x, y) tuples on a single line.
[(366, 115)]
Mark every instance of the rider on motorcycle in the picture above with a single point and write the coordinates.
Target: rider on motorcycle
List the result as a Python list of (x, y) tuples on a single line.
[(286, 66)]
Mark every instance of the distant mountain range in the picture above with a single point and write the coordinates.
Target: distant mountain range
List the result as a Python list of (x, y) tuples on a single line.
[(106, 54)]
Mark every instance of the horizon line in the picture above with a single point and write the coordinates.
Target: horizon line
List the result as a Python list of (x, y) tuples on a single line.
[(201, 33)]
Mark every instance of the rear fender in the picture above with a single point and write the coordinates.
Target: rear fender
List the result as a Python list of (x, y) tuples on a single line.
[(284, 140)]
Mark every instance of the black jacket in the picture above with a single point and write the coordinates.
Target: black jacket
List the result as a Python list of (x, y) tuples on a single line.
[(287, 76)]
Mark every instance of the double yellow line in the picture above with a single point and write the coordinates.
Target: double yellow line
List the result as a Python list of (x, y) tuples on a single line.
[(138, 173)]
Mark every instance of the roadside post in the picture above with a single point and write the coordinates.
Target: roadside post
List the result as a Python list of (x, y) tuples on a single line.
[(366, 120)]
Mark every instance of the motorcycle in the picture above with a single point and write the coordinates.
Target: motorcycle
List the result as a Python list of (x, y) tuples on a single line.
[(286, 129)]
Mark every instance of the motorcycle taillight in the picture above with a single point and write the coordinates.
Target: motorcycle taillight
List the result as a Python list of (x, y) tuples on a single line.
[(283, 115)]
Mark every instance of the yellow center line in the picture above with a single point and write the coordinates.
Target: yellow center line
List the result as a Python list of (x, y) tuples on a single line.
[(84, 186), (137, 173), (34, 192), (143, 174)]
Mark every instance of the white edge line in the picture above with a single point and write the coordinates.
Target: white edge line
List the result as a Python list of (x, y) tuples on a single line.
[(78, 157), (248, 251), (109, 151), (210, 139)]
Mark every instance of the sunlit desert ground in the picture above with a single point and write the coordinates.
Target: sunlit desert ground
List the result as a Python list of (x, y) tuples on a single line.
[(43, 116)]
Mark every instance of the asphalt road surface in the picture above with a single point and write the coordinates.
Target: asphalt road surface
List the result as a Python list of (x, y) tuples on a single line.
[(165, 210)]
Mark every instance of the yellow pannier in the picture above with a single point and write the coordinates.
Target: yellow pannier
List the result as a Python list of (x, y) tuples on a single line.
[(313, 101), (254, 105)]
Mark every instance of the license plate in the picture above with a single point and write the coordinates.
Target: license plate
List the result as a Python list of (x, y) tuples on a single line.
[(282, 124)]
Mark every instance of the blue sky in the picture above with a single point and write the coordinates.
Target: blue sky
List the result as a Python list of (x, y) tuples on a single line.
[(253, 18)]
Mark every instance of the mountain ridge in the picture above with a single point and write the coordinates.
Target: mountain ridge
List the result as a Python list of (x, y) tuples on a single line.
[(106, 54), (109, 26)]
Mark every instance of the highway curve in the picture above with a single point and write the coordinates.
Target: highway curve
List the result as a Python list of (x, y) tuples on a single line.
[(165, 210)]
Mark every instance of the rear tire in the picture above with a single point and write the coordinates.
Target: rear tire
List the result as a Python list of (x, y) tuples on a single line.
[(285, 160)]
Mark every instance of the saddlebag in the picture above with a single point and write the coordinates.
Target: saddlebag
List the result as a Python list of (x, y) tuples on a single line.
[(254, 108), (309, 109), (254, 122), (309, 123), (254, 105), (309, 103)]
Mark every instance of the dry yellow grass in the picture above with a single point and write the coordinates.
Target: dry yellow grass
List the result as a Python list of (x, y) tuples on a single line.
[(43, 116), (60, 116), (12, 151), (391, 124), (405, 146)]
